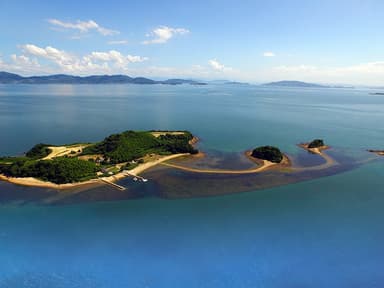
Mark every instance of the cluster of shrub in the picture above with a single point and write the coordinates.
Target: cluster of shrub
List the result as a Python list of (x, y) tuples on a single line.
[(269, 153), (38, 151)]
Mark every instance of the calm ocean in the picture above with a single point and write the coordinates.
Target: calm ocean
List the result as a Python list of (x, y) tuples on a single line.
[(326, 232)]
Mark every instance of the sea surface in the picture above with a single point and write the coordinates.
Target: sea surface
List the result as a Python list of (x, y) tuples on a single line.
[(322, 232)]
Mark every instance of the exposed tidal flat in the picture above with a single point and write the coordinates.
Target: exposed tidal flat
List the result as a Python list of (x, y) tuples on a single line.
[(322, 232)]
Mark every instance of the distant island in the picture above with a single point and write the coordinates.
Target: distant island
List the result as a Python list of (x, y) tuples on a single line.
[(377, 93), (10, 78), (301, 84), (316, 146), (377, 152), (269, 153)]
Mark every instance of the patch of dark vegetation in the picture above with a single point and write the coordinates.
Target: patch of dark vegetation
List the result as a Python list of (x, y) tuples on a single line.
[(269, 153)]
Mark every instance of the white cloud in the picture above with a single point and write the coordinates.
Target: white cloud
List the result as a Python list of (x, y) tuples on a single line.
[(269, 54), (118, 42), (83, 26), (217, 66), (23, 60), (94, 62), (22, 63), (115, 57), (163, 33)]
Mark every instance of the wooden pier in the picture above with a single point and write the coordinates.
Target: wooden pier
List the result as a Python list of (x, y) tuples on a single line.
[(117, 186)]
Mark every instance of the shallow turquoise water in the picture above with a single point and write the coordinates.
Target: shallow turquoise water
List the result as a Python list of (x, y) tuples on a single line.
[(325, 232)]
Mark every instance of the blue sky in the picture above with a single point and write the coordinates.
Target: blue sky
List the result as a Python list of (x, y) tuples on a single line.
[(320, 41)]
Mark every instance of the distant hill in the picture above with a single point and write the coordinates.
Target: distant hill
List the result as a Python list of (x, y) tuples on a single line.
[(10, 78), (295, 84), (286, 83)]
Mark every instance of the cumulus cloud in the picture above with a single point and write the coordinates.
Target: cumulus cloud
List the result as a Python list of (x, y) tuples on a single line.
[(115, 57), (60, 57), (162, 34), (94, 62), (217, 66), (23, 60), (83, 26), (269, 54), (22, 63)]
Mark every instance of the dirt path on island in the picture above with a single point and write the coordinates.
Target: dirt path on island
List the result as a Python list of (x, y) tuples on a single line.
[(59, 151)]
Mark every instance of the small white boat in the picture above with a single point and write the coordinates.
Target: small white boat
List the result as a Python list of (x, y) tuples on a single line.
[(145, 180), (135, 179)]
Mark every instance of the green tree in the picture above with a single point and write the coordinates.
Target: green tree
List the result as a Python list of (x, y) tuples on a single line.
[(316, 143), (269, 153)]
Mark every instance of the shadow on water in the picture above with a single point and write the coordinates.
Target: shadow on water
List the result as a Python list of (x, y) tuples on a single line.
[(171, 183)]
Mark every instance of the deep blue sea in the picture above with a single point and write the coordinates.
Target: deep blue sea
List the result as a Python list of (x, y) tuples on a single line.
[(326, 232)]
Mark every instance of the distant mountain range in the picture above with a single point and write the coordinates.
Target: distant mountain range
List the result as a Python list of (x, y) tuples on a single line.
[(301, 84), (10, 78)]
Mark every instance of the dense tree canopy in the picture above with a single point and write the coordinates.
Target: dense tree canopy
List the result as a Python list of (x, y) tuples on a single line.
[(59, 170), (316, 143), (131, 145), (269, 153)]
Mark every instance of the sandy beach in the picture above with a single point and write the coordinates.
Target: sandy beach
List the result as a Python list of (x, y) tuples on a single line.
[(142, 167), (30, 181)]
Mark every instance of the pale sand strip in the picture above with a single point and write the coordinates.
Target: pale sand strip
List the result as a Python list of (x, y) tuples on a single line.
[(30, 181), (266, 164)]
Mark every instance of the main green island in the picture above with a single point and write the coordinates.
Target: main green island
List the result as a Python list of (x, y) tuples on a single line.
[(117, 156)]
